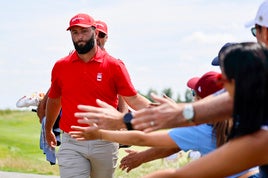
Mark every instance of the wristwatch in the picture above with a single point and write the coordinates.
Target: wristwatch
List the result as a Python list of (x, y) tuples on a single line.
[(188, 112), (127, 118)]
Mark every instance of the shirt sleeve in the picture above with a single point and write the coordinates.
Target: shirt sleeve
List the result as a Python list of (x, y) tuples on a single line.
[(199, 138), (55, 89), (124, 84)]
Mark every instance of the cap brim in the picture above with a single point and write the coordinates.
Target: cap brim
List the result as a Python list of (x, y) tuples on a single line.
[(250, 24), (79, 25), (102, 31), (215, 61), (192, 82)]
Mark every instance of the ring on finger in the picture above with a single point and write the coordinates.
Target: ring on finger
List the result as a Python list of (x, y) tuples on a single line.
[(152, 123)]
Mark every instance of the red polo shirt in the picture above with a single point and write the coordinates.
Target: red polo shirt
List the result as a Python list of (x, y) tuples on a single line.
[(77, 82)]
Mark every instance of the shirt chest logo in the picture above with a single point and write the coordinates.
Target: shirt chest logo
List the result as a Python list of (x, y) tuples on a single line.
[(99, 77)]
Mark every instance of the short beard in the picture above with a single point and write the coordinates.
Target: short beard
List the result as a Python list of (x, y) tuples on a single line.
[(87, 47)]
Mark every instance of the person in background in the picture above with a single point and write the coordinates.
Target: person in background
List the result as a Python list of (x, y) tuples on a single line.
[(259, 25), (102, 30), (41, 108), (102, 37), (83, 76)]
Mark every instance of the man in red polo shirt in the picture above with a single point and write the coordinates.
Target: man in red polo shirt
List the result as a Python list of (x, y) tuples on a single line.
[(81, 77), (102, 37)]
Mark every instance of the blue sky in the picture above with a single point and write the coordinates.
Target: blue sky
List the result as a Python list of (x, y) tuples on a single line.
[(162, 43)]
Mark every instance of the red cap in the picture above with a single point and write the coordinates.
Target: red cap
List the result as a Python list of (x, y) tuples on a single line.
[(81, 20), (102, 26), (205, 85)]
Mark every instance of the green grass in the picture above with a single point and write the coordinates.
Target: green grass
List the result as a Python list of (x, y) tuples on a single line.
[(20, 152), (19, 144)]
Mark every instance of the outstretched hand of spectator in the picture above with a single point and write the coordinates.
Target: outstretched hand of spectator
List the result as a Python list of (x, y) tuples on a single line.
[(166, 115), (105, 116), (130, 161)]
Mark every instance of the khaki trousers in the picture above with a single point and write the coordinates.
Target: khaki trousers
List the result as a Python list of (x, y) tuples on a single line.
[(84, 159)]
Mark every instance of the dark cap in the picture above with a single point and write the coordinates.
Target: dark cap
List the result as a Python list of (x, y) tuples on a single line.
[(215, 61), (205, 85)]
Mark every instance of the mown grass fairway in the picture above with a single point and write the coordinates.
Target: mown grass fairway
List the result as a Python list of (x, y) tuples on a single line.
[(20, 152)]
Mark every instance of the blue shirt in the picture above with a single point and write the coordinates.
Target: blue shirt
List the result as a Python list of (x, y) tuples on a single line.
[(198, 138)]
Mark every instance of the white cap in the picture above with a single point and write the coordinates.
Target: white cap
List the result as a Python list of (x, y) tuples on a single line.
[(261, 17)]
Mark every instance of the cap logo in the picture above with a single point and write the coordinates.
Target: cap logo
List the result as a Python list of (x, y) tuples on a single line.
[(99, 77), (260, 18), (78, 18), (199, 89)]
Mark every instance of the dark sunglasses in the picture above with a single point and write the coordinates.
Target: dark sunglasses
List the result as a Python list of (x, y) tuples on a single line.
[(101, 35), (253, 31), (193, 92)]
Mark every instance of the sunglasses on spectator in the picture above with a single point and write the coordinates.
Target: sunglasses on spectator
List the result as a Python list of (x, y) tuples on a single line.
[(253, 31), (101, 35), (193, 93)]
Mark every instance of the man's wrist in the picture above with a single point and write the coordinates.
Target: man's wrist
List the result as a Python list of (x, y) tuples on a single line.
[(121, 124)]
